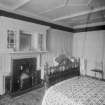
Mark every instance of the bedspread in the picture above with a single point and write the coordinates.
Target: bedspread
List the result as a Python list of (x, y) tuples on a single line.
[(76, 91)]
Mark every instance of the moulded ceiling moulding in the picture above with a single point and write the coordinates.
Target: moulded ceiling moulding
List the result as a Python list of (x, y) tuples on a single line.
[(23, 13)]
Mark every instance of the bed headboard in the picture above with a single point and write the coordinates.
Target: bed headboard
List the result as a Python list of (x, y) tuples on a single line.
[(63, 71)]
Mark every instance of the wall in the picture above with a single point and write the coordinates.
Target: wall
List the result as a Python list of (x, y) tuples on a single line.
[(90, 47), (58, 42), (17, 25), (5, 58)]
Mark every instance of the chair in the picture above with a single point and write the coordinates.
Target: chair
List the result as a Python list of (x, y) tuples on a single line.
[(98, 69)]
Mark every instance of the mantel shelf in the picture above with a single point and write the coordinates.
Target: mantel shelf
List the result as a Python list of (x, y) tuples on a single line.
[(28, 52)]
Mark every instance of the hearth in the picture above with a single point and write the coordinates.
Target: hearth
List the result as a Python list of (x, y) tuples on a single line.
[(24, 75)]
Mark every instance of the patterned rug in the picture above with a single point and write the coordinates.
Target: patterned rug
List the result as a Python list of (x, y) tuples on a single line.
[(33, 97)]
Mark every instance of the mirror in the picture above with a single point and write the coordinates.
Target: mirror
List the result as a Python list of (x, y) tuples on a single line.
[(25, 41)]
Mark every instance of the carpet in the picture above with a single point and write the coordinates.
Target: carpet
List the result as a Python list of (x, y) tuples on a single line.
[(33, 97)]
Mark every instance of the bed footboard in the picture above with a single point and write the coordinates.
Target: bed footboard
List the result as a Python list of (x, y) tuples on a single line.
[(60, 73)]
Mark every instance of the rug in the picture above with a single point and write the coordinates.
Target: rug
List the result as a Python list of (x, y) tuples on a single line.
[(33, 97)]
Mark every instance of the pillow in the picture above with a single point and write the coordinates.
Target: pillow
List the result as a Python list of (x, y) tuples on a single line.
[(60, 58)]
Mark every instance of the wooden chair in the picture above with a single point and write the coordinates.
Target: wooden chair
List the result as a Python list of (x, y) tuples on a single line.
[(98, 69)]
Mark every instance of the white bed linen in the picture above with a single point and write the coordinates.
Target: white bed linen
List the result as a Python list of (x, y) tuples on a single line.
[(76, 91)]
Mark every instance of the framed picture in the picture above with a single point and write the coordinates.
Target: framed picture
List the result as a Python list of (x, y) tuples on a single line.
[(11, 39)]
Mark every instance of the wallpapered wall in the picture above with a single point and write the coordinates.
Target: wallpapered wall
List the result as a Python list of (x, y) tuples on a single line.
[(5, 56), (58, 42), (90, 47)]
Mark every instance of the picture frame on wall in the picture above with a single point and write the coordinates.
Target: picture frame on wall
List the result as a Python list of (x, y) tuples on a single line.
[(11, 39)]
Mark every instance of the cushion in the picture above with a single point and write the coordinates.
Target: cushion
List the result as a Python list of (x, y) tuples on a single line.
[(60, 58)]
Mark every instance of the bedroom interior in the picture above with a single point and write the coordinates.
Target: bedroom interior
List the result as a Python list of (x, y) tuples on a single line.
[(55, 52)]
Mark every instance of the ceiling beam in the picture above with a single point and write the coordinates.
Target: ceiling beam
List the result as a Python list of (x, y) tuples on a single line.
[(79, 14)]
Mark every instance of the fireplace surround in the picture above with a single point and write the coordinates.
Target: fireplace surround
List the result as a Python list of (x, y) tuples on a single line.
[(24, 75)]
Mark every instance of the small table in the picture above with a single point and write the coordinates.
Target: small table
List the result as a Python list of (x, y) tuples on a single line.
[(98, 71)]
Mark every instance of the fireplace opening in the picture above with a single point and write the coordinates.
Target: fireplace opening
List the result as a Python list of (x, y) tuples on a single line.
[(25, 74), (25, 79)]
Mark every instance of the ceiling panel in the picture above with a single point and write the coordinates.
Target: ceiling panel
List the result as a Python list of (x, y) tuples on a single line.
[(12, 4), (92, 15), (9, 3), (97, 3), (78, 2), (82, 22), (86, 19), (40, 6), (65, 11)]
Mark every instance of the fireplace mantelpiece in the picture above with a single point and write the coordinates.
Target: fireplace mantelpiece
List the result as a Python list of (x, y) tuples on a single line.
[(6, 59), (29, 54), (24, 75)]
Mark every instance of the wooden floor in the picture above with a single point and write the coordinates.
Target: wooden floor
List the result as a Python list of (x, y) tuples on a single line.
[(33, 97)]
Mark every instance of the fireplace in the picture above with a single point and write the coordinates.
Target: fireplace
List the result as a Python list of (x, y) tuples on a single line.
[(25, 74)]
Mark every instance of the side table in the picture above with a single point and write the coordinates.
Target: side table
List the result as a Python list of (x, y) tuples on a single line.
[(98, 71)]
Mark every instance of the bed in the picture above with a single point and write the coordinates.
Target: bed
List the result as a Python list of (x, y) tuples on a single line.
[(76, 91), (66, 69)]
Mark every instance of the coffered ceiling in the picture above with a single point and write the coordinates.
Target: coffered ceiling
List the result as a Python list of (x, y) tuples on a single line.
[(70, 13)]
